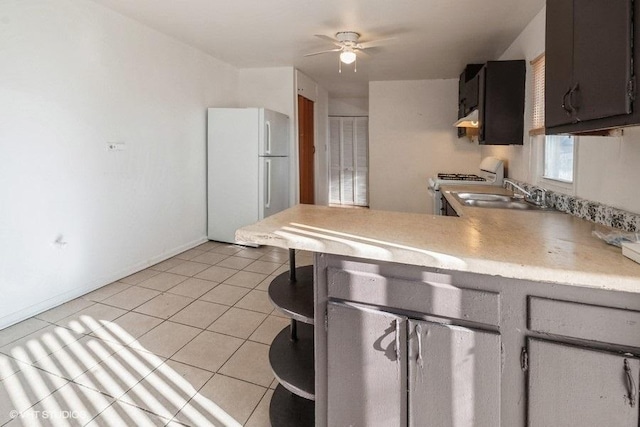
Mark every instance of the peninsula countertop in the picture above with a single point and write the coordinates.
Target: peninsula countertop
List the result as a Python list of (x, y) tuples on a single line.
[(539, 246)]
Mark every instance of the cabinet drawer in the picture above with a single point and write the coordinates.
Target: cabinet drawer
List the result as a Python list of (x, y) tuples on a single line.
[(427, 297), (589, 322)]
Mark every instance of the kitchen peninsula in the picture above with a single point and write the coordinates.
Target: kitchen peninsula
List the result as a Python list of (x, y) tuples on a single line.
[(496, 317)]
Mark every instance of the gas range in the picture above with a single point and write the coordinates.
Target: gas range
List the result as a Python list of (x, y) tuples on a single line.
[(457, 178), (460, 177), (491, 173)]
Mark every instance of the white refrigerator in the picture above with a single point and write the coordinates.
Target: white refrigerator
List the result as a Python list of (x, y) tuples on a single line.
[(247, 168)]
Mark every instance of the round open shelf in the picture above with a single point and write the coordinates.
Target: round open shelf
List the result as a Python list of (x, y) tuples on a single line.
[(294, 299), (287, 409), (292, 362)]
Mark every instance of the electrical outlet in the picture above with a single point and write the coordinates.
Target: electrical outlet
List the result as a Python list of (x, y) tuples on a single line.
[(59, 242), (115, 146)]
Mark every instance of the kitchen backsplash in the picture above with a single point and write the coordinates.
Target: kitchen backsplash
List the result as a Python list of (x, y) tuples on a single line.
[(589, 210)]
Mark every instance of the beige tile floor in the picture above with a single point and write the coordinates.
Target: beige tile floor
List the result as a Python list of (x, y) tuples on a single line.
[(184, 342)]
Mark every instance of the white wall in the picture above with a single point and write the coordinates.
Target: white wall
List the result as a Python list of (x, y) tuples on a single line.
[(349, 107), (271, 88), (277, 88), (607, 169), (411, 137), (274, 88), (321, 111), (75, 76)]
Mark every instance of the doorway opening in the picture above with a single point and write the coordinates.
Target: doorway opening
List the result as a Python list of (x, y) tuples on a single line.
[(349, 161)]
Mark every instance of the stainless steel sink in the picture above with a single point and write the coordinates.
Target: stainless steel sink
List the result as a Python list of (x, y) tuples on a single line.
[(483, 197), (497, 201)]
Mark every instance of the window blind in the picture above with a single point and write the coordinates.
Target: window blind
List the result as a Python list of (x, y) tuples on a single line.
[(349, 161), (537, 112)]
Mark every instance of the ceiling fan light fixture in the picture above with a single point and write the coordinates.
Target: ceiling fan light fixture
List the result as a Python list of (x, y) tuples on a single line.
[(347, 56)]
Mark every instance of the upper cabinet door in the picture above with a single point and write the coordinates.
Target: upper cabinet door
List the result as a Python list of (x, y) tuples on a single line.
[(454, 376), (366, 367), (601, 58), (573, 386), (501, 102), (558, 62), (589, 65), (471, 95)]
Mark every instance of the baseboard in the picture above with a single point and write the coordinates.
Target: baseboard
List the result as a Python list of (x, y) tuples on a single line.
[(50, 303)]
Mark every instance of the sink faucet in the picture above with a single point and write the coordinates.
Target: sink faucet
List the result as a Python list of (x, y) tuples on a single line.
[(537, 196), (514, 185), (540, 198)]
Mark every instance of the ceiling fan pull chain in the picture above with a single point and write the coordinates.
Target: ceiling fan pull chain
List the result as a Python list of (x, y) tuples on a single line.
[(355, 65), (339, 65)]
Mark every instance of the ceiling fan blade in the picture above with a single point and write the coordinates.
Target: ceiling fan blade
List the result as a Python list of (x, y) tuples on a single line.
[(362, 53), (323, 51), (375, 43), (329, 39)]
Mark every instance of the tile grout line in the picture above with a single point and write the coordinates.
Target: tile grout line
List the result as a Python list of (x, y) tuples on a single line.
[(68, 381), (164, 360), (118, 399), (259, 401), (32, 332), (228, 376), (143, 378)]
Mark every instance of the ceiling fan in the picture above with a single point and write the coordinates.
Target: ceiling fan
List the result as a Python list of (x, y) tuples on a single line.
[(347, 44)]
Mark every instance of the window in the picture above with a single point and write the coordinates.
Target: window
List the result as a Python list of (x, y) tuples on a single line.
[(557, 157)]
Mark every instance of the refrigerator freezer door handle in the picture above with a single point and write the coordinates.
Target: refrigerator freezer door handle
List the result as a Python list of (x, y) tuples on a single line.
[(268, 195), (267, 145)]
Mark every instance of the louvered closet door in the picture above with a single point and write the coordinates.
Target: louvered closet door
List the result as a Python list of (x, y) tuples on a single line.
[(349, 160)]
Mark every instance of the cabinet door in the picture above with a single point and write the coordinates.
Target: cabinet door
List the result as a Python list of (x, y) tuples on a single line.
[(471, 95), (588, 60), (501, 103), (601, 58), (454, 376), (573, 386), (558, 62), (461, 103), (367, 369)]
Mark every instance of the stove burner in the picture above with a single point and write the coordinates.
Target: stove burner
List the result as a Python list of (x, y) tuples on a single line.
[(460, 177)]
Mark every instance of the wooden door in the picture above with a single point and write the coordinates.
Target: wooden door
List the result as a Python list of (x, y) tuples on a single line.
[(306, 150), (454, 376), (366, 367), (572, 386)]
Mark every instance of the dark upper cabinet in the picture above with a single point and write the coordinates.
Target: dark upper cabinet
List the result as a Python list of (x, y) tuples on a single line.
[(468, 92), (589, 77), (501, 103), (468, 89)]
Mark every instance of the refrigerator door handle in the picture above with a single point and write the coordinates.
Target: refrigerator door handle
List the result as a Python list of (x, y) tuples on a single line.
[(267, 145), (268, 183)]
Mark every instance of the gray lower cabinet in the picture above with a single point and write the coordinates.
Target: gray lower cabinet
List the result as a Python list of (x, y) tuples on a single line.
[(574, 386), (410, 346), (454, 376), (366, 366), (388, 370)]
